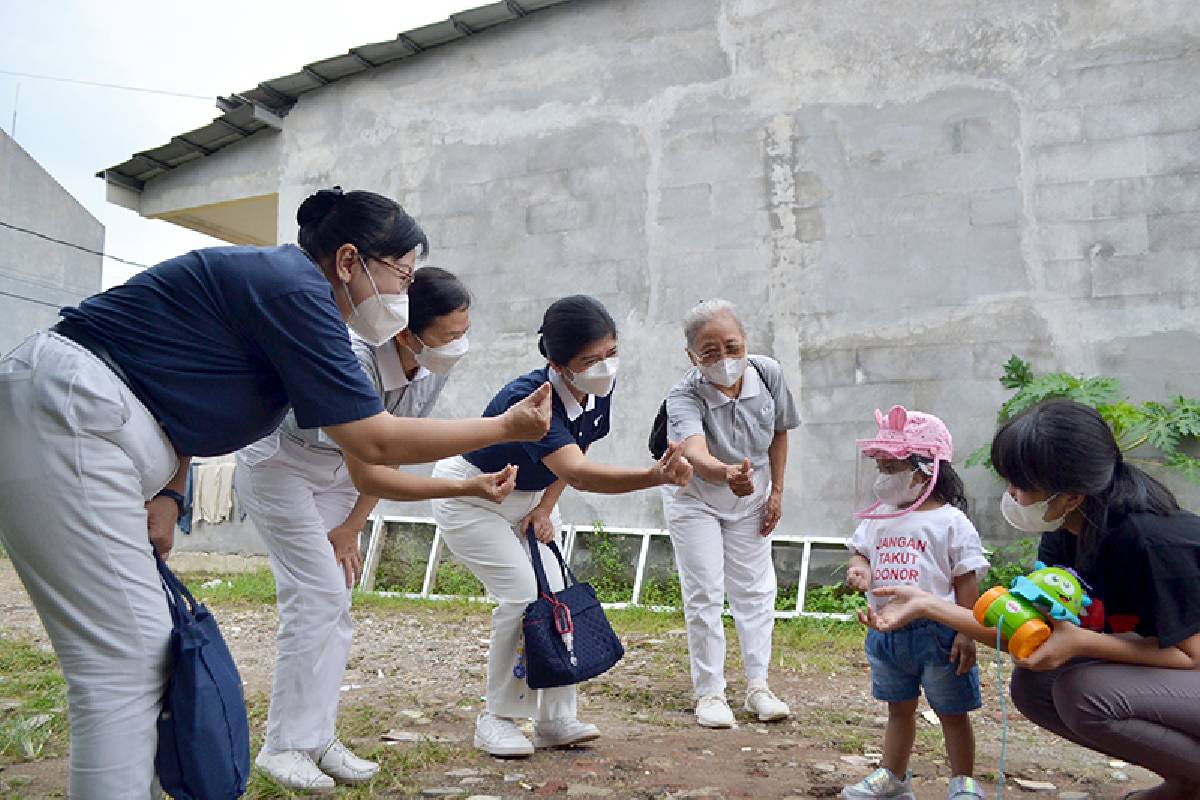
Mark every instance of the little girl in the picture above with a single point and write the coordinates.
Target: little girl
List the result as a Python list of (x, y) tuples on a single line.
[(916, 533)]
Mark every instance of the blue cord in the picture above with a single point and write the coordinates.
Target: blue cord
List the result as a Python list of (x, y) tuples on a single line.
[(1003, 713)]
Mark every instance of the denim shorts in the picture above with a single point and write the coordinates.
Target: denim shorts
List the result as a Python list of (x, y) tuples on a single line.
[(916, 657)]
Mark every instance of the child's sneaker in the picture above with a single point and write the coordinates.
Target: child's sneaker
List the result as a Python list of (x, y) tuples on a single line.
[(881, 784), (964, 788)]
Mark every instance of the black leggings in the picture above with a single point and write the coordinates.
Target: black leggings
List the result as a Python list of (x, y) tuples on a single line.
[(1144, 715)]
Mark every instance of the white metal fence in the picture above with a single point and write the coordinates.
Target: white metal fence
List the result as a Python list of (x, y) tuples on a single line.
[(376, 530)]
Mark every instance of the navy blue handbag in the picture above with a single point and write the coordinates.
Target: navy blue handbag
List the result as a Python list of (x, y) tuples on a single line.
[(567, 637), (203, 736)]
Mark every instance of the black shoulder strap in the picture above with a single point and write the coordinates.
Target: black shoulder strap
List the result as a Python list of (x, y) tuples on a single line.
[(758, 368)]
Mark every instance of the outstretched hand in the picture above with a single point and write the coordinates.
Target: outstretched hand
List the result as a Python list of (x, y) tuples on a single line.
[(528, 420), (495, 486), (905, 604), (673, 467)]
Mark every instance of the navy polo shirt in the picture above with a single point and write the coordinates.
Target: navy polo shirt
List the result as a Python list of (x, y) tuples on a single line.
[(218, 343), (589, 425)]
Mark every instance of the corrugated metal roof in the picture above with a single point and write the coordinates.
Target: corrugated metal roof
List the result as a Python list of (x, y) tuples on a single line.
[(264, 106)]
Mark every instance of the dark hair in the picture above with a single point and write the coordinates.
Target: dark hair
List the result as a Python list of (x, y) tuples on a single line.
[(949, 487), (433, 293), (1064, 446), (375, 224), (571, 324)]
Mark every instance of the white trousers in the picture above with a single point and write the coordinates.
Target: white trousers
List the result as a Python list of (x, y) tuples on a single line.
[(295, 497), (81, 457), (720, 555), (483, 536)]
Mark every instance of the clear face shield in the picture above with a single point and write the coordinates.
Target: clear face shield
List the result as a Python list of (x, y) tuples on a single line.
[(886, 487)]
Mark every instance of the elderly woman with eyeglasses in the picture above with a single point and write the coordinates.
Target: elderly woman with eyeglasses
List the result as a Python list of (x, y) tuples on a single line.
[(732, 411)]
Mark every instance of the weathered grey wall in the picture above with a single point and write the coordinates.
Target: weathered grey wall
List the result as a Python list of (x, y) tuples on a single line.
[(898, 194), (38, 277)]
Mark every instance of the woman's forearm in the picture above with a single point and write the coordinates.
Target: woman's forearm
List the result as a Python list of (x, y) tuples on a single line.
[(178, 482), (551, 495), (962, 620), (358, 516), (1145, 652), (703, 462), (604, 479), (384, 439), (777, 454), (394, 484)]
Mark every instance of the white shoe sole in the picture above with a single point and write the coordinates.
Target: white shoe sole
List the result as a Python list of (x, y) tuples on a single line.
[(708, 723), (770, 717), (295, 787), (542, 744), (905, 796), (511, 751), (340, 781)]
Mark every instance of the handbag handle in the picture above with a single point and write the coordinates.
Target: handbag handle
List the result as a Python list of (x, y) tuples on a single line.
[(539, 571), (180, 600)]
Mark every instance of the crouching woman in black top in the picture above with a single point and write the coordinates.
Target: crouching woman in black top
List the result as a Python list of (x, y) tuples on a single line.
[(1133, 690)]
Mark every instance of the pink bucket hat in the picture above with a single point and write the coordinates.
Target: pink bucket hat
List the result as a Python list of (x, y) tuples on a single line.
[(901, 434), (904, 433)]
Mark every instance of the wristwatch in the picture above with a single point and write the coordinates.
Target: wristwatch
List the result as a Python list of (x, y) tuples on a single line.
[(174, 495)]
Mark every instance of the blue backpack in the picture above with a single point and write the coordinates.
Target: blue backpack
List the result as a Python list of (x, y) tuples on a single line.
[(203, 735)]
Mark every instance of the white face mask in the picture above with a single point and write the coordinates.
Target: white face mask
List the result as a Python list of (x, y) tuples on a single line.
[(598, 379), (725, 372), (1030, 518), (441, 359), (897, 488), (380, 316)]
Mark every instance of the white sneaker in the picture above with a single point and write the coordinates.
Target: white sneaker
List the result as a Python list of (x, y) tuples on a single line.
[(499, 736), (343, 766), (563, 733), (713, 712), (293, 769), (963, 787), (882, 784), (762, 701)]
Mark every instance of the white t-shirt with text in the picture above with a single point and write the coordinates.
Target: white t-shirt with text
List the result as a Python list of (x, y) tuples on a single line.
[(927, 549)]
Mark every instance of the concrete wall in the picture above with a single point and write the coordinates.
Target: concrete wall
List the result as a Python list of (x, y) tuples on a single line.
[(898, 194), (38, 277)]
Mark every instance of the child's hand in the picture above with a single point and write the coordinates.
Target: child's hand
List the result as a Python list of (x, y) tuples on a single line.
[(963, 652), (858, 577)]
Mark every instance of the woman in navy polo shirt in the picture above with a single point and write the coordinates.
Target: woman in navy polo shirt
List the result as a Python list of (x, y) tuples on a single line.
[(197, 356), (579, 342), (1133, 691)]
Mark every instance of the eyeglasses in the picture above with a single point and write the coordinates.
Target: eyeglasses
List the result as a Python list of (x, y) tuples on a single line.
[(404, 272), (711, 355)]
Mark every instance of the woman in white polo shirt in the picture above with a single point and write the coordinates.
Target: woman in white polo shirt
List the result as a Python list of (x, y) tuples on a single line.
[(298, 488), (732, 412)]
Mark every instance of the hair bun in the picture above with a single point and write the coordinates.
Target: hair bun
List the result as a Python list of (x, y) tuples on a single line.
[(316, 207)]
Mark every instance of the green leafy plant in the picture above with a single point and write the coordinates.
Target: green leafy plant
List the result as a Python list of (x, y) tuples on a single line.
[(455, 579), (607, 569), (834, 599), (662, 591), (1013, 559), (1162, 426)]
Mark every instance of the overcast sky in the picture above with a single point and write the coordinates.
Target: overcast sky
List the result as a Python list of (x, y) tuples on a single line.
[(211, 48)]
